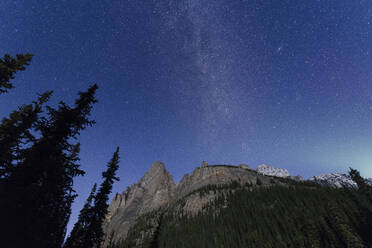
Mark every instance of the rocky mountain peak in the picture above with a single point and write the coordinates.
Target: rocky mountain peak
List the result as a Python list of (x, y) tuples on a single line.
[(154, 190), (337, 180), (157, 175), (269, 170), (158, 165), (369, 181)]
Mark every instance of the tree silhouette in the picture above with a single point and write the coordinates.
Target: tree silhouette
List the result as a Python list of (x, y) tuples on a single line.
[(360, 181), (9, 66), (78, 234), (38, 162), (100, 200), (88, 230)]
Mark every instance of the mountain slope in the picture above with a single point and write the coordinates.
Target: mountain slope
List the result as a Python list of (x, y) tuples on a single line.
[(155, 189), (294, 216), (229, 206)]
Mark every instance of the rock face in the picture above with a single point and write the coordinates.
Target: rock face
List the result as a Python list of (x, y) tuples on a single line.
[(203, 176), (245, 166), (296, 178), (272, 171), (337, 180), (369, 181), (204, 164), (155, 189)]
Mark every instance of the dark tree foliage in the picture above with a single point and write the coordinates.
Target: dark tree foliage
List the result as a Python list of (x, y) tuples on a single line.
[(15, 133), (365, 208), (360, 181), (9, 66), (293, 215), (38, 164), (88, 232), (78, 234), (100, 201)]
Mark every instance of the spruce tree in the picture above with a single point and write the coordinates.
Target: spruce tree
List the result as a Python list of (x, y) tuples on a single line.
[(9, 66), (37, 180), (360, 181), (15, 133), (364, 198), (78, 234), (88, 232), (100, 202)]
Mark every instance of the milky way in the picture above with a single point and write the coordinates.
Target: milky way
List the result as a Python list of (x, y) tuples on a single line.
[(206, 76)]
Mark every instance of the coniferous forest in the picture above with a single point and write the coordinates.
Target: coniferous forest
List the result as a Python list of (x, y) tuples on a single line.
[(293, 215)]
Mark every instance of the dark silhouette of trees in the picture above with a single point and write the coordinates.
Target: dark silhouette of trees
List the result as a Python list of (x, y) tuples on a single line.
[(364, 199), (38, 163), (78, 234), (15, 132), (88, 230), (101, 198), (360, 181), (9, 66)]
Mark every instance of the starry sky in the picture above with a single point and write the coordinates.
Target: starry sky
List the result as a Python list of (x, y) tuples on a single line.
[(287, 83)]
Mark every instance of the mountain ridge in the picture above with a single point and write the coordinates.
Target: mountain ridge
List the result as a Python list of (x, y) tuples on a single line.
[(156, 190)]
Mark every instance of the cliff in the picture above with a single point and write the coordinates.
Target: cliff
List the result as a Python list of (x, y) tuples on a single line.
[(143, 204), (157, 189), (154, 190)]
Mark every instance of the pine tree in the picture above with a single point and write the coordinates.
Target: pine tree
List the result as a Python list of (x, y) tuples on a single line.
[(9, 66), (78, 234), (360, 181), (38, 186), (364, 198), (88, 232), (100, 201), (15, 132)]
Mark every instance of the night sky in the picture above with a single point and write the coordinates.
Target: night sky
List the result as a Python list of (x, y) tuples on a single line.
[(287, 83)]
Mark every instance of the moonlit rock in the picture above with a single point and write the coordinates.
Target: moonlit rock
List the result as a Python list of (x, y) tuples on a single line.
[(269, 170), (245, 167), (337, 180), (204, 164), (369, 181), (296, 178), (154, 190)]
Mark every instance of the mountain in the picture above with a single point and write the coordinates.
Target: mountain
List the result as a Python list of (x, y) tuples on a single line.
[(154, 190), (157, 189), (220, 199), (269, 170), (272, 171), (337, 180), (369, 181)]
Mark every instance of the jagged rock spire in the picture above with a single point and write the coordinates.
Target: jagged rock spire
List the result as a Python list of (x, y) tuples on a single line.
[(155, 189)]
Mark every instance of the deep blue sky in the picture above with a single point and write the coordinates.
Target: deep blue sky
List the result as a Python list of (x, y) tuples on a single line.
[(287, 83)]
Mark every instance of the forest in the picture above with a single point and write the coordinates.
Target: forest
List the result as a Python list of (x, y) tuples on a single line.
[(292, 215)]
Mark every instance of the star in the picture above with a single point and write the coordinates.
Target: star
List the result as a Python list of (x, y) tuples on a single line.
[(279, 50)]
